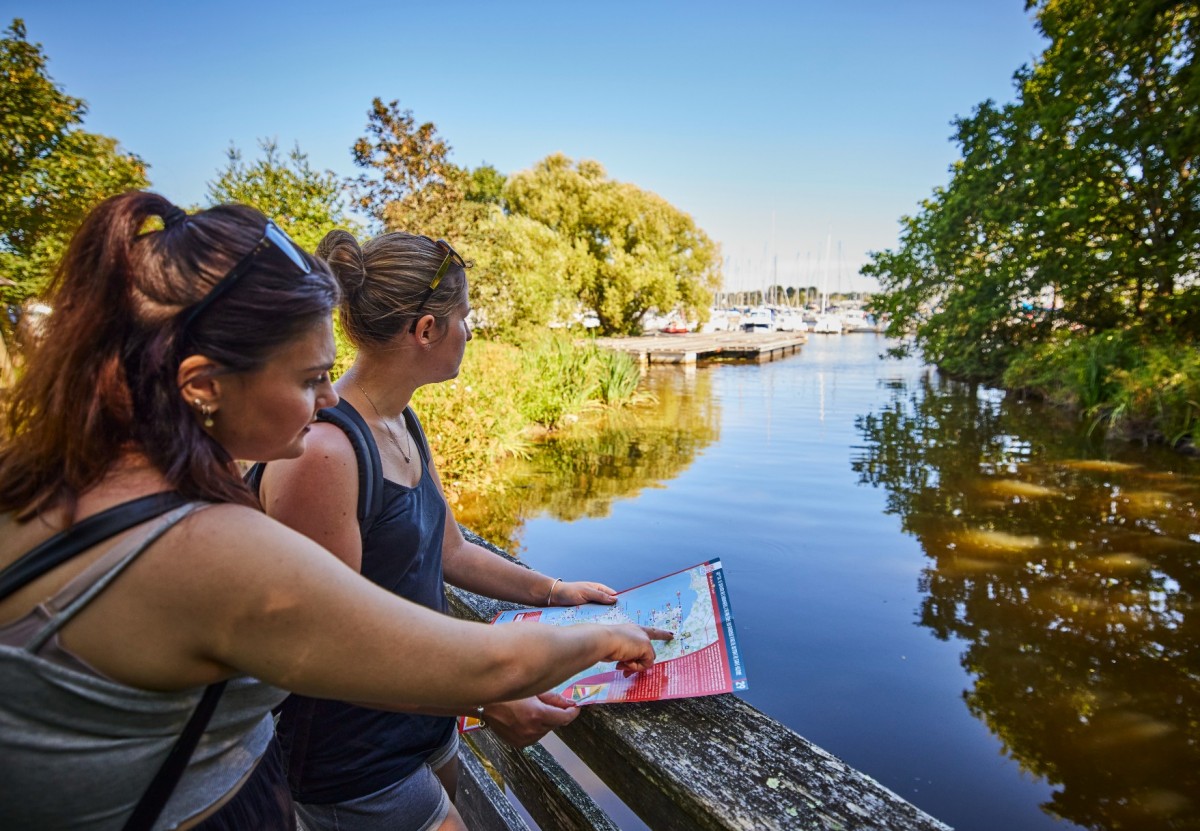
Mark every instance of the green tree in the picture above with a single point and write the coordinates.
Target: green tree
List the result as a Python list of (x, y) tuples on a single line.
[(1120, 96), (409, 183), (958, 277), (524, 275), (51, 172), (305, 202), (486, 185), (645, 253), (1075, 208), (603, 244)]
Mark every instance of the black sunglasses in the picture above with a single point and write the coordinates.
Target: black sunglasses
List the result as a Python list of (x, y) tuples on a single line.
[(452, 257), (274, 243)]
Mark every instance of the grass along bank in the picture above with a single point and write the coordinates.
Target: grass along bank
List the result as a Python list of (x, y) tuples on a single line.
[(507, 396), (1130, 384)]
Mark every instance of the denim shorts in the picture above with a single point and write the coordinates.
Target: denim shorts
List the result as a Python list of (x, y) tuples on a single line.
[(418, 802)]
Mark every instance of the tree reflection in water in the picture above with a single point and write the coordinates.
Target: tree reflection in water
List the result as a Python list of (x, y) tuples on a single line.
[(609, 455), (1070, 568)]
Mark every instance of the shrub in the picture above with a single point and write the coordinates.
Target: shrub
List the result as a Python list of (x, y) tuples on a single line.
[(505, 393), (560, 378), (473, 421), (1135, 386), (619, 376)]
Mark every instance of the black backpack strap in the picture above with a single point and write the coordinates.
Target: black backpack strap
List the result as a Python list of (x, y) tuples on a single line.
[(366, 453), (83, 535), (155, 797), (253, 477), (366, 456), (370, 503)]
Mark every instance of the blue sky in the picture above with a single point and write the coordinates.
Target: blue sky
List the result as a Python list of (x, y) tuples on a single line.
[(777, 126)]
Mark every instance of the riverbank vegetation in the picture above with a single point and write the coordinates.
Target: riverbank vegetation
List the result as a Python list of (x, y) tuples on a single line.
[(1061, 257), (545, 245), (609, 454), (507, 396)]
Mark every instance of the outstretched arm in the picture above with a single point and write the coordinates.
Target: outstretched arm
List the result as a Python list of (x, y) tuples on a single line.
[(281, 609), (230, 591)]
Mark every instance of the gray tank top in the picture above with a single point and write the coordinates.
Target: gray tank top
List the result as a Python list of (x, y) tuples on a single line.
[(77, 749)]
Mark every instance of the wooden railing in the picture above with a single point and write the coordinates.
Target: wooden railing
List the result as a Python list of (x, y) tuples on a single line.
[(697, 763)]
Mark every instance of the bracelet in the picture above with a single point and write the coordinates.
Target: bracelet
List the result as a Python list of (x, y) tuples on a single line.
[(479, 717), (550, 594)]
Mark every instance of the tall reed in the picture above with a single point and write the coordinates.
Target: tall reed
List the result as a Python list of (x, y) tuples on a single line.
[(506, 395)]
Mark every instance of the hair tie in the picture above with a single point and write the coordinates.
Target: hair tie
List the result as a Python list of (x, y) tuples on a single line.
[(173, 215)]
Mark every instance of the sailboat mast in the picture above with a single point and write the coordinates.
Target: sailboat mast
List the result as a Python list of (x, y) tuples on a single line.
[(825, 271), (839, 268)]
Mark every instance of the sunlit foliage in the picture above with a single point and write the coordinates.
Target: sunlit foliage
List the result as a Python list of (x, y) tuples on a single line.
[(1074, 212)]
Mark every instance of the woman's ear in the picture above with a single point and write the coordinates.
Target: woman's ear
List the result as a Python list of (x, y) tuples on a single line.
[(426, 330), (198, 383)]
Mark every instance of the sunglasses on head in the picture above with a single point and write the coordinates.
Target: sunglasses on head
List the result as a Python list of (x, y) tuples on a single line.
[(452, 258), (274, 244)]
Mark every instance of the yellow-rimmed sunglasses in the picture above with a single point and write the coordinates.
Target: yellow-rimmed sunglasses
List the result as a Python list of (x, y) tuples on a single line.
[(452, 258)]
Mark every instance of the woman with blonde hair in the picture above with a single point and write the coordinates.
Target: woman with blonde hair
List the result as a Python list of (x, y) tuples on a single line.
[(150, 614), (405, 308)]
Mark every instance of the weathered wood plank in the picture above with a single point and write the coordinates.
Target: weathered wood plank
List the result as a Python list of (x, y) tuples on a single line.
[(553, 799), (717, 763), (481, 799)]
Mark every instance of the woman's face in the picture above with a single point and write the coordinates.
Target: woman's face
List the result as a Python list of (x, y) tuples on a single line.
[(457, 334), (265, 414), (447, 350)]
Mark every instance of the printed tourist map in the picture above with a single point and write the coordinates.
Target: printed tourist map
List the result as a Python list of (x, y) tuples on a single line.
[(702, 659)]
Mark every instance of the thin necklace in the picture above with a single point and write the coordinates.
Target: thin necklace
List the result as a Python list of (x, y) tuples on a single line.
[(406, 454)]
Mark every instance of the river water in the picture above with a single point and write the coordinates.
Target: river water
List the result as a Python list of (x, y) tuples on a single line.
[(985, 608)]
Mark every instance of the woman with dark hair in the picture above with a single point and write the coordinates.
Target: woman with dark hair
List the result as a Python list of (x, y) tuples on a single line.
[(405, 307), (138, 569)]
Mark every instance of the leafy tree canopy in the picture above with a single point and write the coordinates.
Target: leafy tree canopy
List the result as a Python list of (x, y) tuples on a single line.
[(409, 183), (524, 274), (1076, 207), (304, 202), (645, 254), (486, 185), (51, 171), (595, 242)]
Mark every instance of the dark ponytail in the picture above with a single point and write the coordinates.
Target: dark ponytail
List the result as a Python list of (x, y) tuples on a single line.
[(103, 379)]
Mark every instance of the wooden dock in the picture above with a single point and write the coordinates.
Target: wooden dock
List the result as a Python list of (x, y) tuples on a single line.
[(690, 347)]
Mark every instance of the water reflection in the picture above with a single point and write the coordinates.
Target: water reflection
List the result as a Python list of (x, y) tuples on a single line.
[(1071, 571), (608, 456)]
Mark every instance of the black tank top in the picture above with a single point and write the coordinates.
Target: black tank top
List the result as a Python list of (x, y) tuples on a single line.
[(337, 751)]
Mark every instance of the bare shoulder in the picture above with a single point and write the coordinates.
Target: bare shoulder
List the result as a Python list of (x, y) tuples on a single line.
[(326, 450), (238, 529), (317, 493), (327, 466), (234, 549), (226, 587)]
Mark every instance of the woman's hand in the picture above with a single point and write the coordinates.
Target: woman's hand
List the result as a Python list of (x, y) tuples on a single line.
[(579, 592), (523, 722), (634, 648)]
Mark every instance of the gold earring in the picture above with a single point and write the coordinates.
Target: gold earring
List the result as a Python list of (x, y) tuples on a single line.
[(205, 411)]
